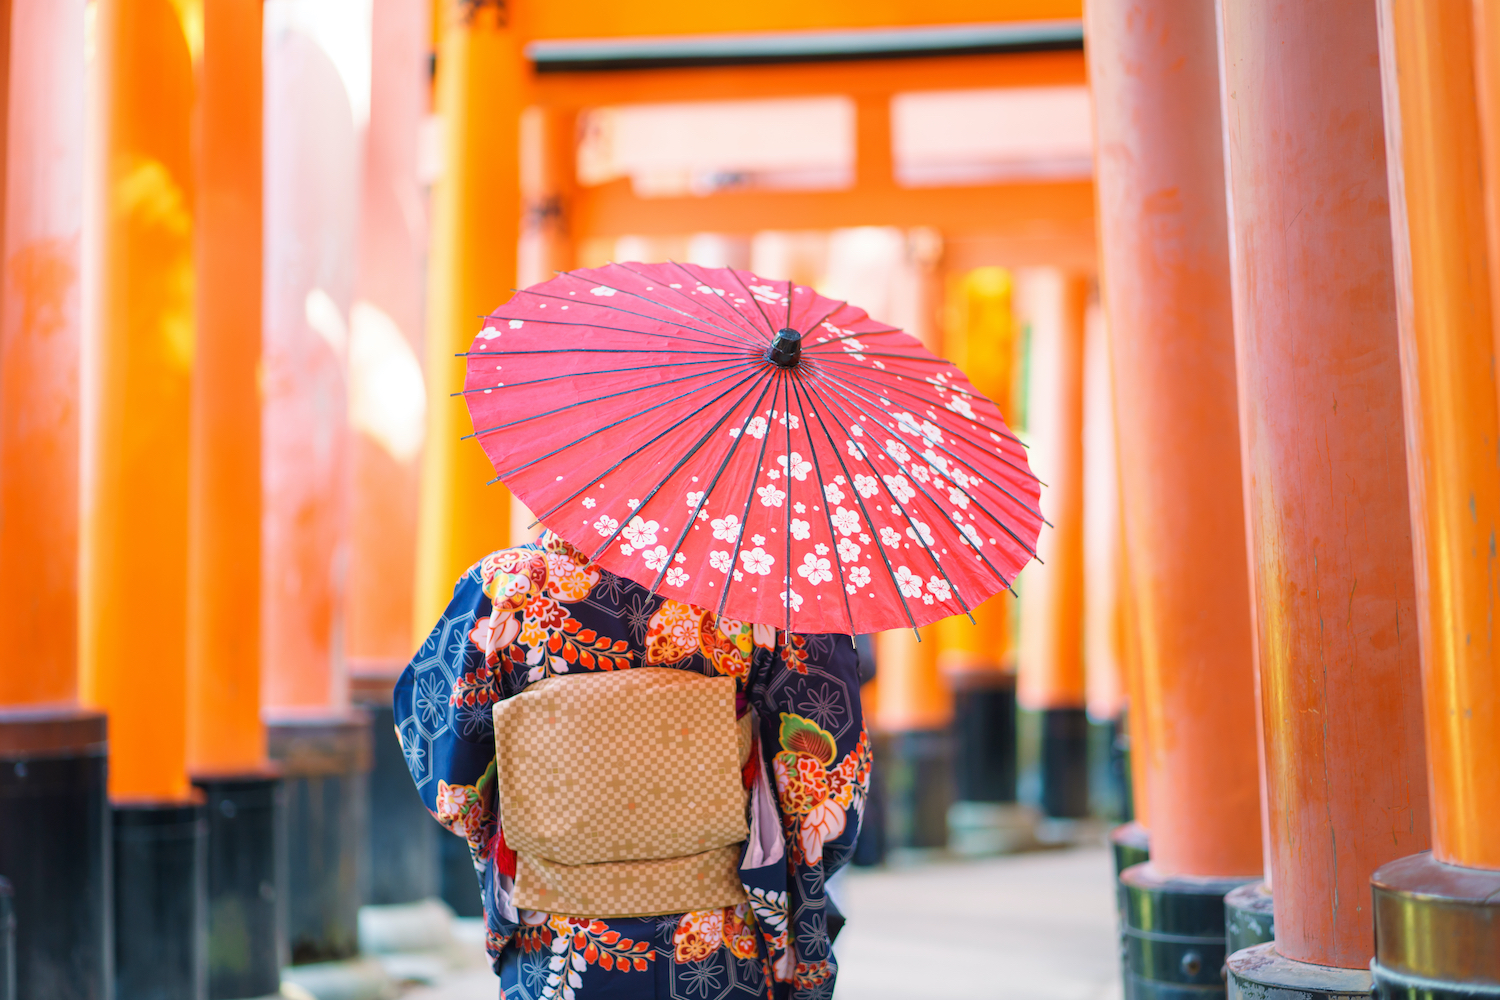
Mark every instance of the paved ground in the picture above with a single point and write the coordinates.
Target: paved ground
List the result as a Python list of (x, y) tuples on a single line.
[(1037, 926)]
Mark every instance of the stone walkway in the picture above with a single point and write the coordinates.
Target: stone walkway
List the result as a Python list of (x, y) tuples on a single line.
[(1036, 926)]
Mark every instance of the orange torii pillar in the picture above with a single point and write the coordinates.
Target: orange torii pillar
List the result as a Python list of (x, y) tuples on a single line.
[(134, 538), (1052, 305), (226, 740), (471, 269), (913, 705), (387, 419), (1165, 263), (1437, 914), (1103, 679), (321, 744), (1329, 532), (978, 659), (54, 823), (476, 207)]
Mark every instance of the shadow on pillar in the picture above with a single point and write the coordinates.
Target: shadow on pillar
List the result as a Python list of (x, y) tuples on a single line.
[(246, 885), (1065, 763), (1173, 929), (161, 900), (1109, 782), (1437, 930), (325, 764), (55, 850), (918, 785), (403, 846)]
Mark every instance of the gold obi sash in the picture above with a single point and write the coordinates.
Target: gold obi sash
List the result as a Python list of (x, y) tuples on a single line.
[(620, 792)]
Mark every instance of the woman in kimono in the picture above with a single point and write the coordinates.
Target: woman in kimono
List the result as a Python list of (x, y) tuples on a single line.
[(541, 616)]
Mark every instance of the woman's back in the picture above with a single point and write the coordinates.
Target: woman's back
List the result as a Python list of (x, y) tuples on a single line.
[(543, 611)]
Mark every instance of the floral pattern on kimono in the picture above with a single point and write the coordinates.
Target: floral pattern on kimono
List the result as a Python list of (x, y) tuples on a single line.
[(543, 610)]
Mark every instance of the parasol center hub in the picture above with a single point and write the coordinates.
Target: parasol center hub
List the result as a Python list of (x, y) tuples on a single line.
[(786, 349)]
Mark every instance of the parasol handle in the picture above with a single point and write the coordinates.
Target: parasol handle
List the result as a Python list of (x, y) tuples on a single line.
[(786, 349)]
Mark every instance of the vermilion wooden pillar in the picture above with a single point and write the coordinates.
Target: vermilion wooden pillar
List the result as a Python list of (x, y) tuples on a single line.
[(226, 737), (476, 204), (54, 824), (1323, 456), (1438, 914), (133, 590), (978, 659), (1050, 679), (1165, 264)]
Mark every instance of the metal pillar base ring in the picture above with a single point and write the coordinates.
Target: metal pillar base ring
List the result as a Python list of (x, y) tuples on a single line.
[(1437, 930)]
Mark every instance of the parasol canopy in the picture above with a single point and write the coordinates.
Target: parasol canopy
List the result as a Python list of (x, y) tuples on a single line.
[(752, 447)]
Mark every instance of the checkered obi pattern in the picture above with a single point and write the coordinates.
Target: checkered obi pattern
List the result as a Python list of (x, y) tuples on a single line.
[(621, 793)]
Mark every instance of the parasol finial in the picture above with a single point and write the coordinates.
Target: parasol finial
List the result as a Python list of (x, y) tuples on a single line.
[(786, 349)]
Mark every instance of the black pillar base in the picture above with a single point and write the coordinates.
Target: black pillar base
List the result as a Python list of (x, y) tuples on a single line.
[(55, 849), (1174, 934), (7, 942), (984, 736), (161, 900), (460, 885), (325, 764), (246, 931), (919, 788), (1130, 844), (1248, 917), (1437, 931), (1065, 763), (403, 848), (1262, 973)]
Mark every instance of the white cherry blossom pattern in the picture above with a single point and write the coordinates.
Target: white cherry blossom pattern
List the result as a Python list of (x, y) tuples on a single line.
[(720, 560), (606, 525), (727, 528), (909, 583), (588, 501), (815, 570), (800, 529), (693, 498), (795, 599), (958, 498), (856, 451), (757, 561), (832, 493), (676, 577), (756, 428), (848, 550), (859, 576), (960, 405), (919, 473), (938, 588), (897, 450), (770, 496), (900, 488), (920, 531), (797, 468), (845, 520), (867, 486), (891, 537), (655, 558), (820, 549), (640, 532)]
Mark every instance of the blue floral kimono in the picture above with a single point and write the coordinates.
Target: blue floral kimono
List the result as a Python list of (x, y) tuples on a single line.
[(536, 611)]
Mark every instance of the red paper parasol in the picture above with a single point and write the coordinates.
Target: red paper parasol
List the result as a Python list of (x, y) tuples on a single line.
[(752, 447)]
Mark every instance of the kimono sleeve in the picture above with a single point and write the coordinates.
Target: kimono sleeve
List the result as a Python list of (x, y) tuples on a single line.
[(443, 702), (818, 753)]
